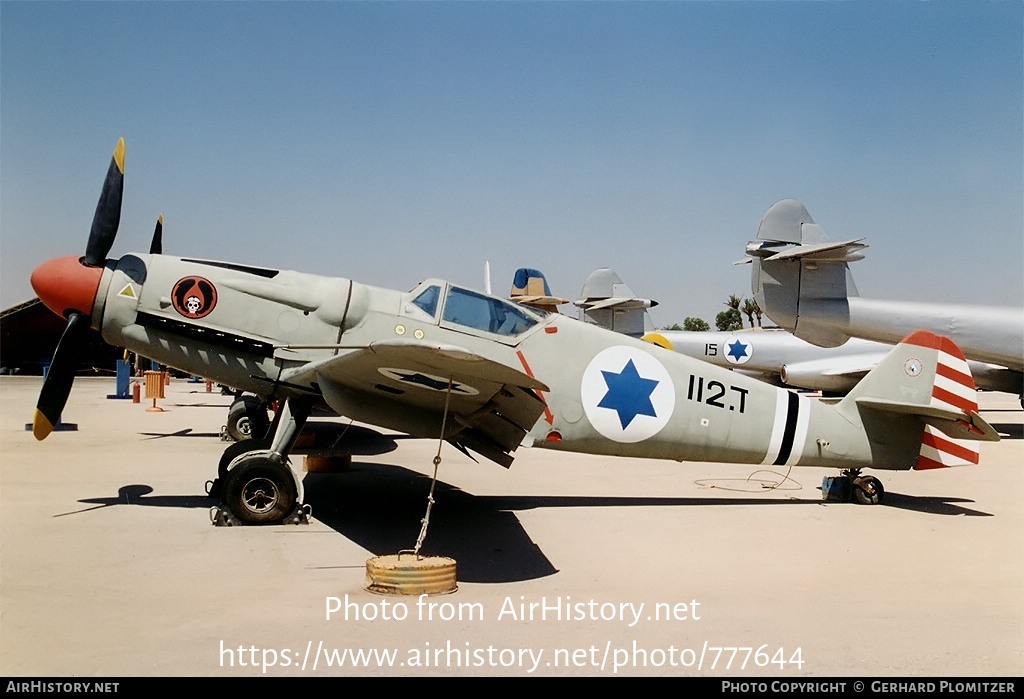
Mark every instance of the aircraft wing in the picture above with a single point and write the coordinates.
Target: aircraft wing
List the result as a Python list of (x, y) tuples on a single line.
[(491, 406)]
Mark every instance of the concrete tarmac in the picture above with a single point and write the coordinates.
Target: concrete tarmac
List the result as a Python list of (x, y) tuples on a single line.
[(568, 565)]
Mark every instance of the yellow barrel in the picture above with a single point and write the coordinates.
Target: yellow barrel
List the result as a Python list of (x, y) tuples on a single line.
[(407, 574)]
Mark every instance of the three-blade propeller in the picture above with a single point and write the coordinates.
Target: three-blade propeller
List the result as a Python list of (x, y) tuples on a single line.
[(61, 374)]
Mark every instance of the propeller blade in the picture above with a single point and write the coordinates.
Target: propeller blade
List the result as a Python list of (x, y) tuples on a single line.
[(108, 211), (57, 384), (157, 246)]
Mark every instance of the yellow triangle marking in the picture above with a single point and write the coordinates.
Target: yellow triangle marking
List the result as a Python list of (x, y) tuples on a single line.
[(128, 292)]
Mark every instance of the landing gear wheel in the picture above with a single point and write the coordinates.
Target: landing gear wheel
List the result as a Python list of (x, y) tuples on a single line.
[(215, 488), (247, 419), (259, 489), (867, 490)]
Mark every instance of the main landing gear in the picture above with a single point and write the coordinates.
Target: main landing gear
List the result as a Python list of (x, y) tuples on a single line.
[(254, 479), (247, 418), (853, 487)]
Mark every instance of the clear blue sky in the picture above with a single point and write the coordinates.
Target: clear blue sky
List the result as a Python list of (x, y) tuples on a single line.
[(389, 142)]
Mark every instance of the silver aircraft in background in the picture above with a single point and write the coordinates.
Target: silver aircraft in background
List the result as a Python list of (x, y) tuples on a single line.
[(773, 355), (779, 357), (801, 279)]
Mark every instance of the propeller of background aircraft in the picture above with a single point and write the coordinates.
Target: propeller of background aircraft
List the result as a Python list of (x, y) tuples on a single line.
[(68, 287)]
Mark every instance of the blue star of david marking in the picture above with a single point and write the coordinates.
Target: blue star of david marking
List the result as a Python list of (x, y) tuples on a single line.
[(629, 394), (421, 380), (737, 350)]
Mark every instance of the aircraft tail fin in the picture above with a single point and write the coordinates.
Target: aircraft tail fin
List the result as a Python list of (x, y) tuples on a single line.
[(919, 405), (530, 288), (799, 273), (608, 302)]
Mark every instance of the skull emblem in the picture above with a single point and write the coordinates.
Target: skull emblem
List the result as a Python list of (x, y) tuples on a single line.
[(194, 297)]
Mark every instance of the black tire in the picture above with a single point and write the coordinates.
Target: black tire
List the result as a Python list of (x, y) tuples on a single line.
[(867, 490), (259, 489), (237, 449), (247, 419), (233, 451)]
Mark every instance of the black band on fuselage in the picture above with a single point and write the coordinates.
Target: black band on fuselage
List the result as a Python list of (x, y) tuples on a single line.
[(792, 413)]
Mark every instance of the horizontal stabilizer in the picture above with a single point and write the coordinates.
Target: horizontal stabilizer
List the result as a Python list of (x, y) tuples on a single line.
[(538, 300), (530, 288), (606, 301), (845, 251), (956, 424), (926, 377), (615, 303)]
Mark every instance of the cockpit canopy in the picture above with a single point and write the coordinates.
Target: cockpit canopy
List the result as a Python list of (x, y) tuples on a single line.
[(474, 310)]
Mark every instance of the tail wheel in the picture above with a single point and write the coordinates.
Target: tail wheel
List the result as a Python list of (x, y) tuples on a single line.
[(867, 490), (260, 489)]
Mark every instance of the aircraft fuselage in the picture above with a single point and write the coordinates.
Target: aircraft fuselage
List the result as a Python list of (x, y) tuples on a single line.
[(248, 327)]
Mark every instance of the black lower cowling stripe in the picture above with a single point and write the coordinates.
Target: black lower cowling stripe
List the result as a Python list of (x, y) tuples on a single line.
[(792, 412)]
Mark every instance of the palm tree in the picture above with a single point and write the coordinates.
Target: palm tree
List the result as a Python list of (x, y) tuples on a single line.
[(748, 310), (731, 319)]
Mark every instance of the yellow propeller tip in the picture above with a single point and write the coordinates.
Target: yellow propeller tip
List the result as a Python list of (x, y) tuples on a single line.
[(119, 155), (41, 427)]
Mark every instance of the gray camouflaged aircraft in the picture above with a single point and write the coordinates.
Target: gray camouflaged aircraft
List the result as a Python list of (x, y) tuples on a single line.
[(486, 374)]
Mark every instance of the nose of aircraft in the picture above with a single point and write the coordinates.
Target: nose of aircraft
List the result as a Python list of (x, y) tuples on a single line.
[(68, 287), (65, 284)]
